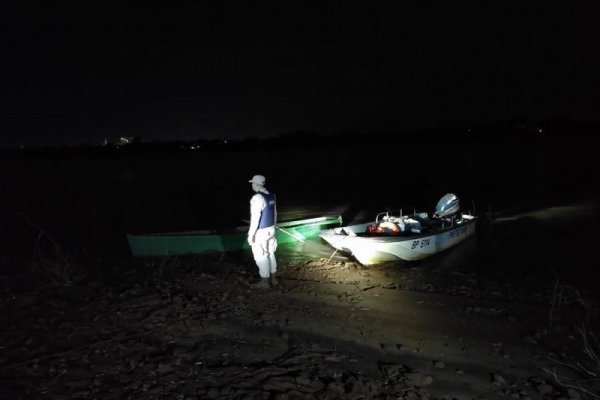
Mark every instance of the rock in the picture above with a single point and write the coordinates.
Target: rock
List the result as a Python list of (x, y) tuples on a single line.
[(418, 379), (498, 380), (213, 393), (79, 384), (79, 374), (428, 380), (279, 384), (163, 369), (530, 339), (428, 287), (190, 387), (314, 263), (545, 388), (411, 395), (336, 387), (26, 301), (356, 386), (309, 385), (439, 364), (393, 371), (133, 363)]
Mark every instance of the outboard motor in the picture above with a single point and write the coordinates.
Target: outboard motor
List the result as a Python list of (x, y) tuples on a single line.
[(447, 206)]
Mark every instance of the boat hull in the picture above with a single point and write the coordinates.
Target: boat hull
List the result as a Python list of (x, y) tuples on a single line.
[(369, 250), (207, 241)]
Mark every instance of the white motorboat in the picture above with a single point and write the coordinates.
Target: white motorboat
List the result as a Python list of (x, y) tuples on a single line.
[(394, 236)]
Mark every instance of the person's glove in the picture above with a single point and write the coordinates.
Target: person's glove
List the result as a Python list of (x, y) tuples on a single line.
[(251, 240)]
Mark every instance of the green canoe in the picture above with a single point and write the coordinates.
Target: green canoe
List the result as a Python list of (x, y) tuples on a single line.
[(211, 240)]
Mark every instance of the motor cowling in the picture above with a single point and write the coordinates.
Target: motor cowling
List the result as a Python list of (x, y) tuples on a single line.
[(447, 206)]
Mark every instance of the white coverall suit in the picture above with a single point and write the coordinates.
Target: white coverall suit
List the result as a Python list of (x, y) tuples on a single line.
[(262, 240)]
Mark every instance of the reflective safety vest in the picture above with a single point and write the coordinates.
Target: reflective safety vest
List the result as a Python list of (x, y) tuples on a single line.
[(267, 216)]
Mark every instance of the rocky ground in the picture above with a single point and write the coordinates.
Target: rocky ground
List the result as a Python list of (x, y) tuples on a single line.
[(194, 328)]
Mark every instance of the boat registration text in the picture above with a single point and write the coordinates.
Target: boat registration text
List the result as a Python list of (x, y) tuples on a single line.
[(420, 243)]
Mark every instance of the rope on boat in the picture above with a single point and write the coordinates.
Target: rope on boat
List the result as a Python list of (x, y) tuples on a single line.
[(336, 250), (290, 234)]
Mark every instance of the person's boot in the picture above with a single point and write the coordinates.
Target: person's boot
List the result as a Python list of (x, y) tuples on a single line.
[(262, 284), (274, 282)]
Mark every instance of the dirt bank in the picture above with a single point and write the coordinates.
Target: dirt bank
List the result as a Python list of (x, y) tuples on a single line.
[(194, 328)]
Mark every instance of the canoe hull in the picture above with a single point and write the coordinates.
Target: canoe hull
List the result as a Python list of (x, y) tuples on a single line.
[(207, 241), (369, 250)]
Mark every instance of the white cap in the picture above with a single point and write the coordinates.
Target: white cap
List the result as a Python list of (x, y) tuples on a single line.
[(259, 179)]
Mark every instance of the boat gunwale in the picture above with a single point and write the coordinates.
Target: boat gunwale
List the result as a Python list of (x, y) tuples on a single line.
[(325, 220)]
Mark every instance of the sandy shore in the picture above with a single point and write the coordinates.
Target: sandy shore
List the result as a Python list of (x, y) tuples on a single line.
[(192, 328)]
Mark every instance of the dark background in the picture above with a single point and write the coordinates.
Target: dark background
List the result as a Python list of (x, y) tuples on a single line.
[(84, 73)]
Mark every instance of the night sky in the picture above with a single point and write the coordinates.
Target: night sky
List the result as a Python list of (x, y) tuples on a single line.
[(79, 75)]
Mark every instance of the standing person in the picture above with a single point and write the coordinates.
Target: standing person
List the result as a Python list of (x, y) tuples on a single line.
[(261, 234)]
